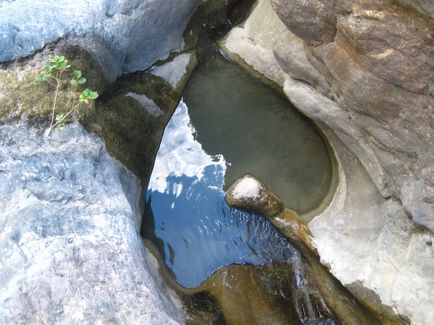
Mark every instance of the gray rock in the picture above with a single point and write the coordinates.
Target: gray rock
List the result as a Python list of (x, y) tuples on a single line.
[(125, 35), (69, 235), (177, 71), (424, 6), (369, 242), (249, 193)]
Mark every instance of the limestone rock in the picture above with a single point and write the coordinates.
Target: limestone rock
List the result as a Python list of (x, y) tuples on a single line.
[(69, 240), (252, 43), (369, 242), (249, 193), (124, 36), (371, 86)]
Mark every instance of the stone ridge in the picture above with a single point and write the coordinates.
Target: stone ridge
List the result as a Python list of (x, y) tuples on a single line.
[(123, 36)]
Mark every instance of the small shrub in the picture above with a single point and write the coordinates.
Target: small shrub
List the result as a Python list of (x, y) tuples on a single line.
[(54, 74)]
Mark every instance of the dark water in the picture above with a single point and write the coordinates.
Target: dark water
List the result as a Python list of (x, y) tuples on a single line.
[(259, 132), (228, 124)]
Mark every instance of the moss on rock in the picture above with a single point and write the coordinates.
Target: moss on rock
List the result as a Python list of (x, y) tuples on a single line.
[(20, 98)]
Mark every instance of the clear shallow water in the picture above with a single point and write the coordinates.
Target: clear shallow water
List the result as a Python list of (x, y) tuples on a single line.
[(258, 131), (188, 219), (227, 125)]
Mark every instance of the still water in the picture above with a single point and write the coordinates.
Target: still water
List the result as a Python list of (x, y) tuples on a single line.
[(227, 125)]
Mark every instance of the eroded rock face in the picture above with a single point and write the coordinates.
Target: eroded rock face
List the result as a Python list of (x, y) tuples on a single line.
[(312, 20), (250, 194), (71, 250), (328, 294), (124, 36), (380, 68), (371, 86)]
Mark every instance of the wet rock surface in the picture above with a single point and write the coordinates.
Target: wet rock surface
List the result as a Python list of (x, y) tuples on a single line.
[(250, 194), (71, 250), (315, 293)]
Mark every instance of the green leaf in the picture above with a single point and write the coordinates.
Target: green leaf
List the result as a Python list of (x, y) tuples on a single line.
[(49, 69), (59, 121), (57, 59), (82, 81), (40, 79), (73, 82), (94, 95), (76, 74), (60, 62), (88, 95)]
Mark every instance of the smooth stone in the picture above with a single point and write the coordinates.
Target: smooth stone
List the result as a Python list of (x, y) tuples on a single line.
[(249, 193), (176, 71)]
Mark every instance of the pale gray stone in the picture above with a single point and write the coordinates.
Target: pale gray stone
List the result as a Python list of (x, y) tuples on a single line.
[(176, 71), (130, 35), (147, 103), (69, 235)]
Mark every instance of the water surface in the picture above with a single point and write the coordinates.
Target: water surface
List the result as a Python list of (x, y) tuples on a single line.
[(187, 218), (229, 124), (258, 131)]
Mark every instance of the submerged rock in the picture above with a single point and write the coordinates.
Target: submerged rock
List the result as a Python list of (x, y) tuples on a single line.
[(69, 240), (318, 287)]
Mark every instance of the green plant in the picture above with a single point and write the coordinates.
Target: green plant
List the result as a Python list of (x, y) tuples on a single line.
[(54, 75)]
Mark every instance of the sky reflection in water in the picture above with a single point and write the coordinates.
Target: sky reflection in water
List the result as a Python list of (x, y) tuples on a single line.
[(192, 226)]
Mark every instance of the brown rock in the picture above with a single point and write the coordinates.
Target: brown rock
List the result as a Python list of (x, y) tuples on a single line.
[(380, 69), (250, 194), (312, 20)]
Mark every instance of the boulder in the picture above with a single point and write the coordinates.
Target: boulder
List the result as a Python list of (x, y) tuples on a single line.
[(70, 243), (250, 194)]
